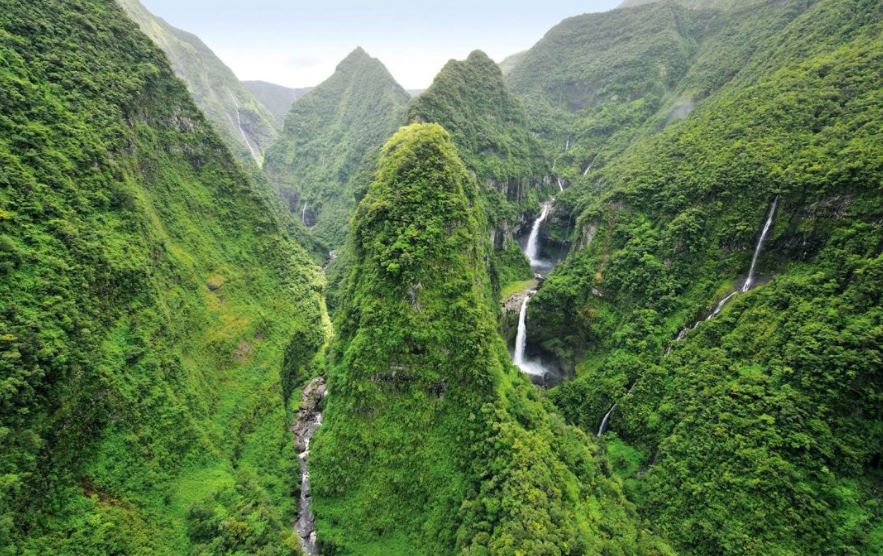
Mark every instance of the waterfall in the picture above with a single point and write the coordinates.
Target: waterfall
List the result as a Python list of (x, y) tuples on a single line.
[(532, 368), (303, 214), (606, 420), (560, 186), (589, 167), (567, 144), (720, 305), (238, 122), (532, 249), (749, 281), (766, 228), (521, 337)]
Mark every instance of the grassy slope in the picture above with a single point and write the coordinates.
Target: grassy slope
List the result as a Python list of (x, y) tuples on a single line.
[(146, 299), (781, 393), (215, 89), (433, 443), (328, 133)]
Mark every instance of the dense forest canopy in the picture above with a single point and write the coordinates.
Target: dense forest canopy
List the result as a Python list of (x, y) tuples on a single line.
[(238, 318)]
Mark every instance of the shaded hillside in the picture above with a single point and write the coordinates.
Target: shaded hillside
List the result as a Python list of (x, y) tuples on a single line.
[(276, 98), (146, 301), (780, 392), (327, 134), (432, 441), (245, 124)]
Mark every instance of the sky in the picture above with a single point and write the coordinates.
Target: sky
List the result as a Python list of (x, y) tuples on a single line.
[(298, 43)]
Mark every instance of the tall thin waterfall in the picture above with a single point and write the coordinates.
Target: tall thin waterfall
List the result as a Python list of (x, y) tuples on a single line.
[(533, 241), (560, 185), (766, 228), (303, 214), (521, 337), (238, 123)]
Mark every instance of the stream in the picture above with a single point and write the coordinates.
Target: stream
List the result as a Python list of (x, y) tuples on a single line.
[(309, 418)]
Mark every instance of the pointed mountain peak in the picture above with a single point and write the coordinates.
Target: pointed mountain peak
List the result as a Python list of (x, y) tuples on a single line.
[(357, 56)]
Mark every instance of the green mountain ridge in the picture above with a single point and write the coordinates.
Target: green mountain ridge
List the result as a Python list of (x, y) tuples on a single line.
[(148, 295), (774, 390), (247, 126), (355, 110), (715, 176), (276, 98), (431, 438)]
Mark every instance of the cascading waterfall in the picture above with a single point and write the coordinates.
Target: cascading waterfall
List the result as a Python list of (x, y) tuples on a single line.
[(589, 167), (303, 214), (254, 154), (560, 185), (309, 418), (749, 281), (766, 228), (532, 248)]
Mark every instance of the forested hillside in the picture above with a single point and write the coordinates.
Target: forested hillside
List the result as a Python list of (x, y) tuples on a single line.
[(711, 172), (760, 431), (245, 124), (433, 443), (328, 133), (146, 301), (276, 98), (489, 127)]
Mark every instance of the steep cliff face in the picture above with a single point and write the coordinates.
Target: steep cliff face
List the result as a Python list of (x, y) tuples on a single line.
[(146, 297), (328, 133), (783, 375), (245, 124), (432, 440)]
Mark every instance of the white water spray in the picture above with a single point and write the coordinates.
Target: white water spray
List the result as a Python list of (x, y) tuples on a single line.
[(766, 228), (531, 368), (303, 214), (533, 241)]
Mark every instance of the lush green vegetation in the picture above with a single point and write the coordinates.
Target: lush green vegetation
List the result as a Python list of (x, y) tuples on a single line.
[(245, 124), (433, 443), (328, 134), (761, 432), (276, 98), (489, 127), (146, 301)]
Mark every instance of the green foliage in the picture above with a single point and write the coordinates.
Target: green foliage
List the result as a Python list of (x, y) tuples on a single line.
[(245, 124), (763, 425), (146, 298), (276, 98), (432, 442), (328, 133)]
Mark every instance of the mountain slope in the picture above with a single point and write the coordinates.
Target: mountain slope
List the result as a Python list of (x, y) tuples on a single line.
[(432, 441), (327, 134), (780, 390), (146, 299), (489, 126), (245, 124), (594, 79), (276, 98)]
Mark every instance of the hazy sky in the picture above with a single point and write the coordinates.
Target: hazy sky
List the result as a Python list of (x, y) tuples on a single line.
[(298, 43)]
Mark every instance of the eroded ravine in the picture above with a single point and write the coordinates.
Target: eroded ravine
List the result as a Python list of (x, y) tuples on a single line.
[(308, 420)]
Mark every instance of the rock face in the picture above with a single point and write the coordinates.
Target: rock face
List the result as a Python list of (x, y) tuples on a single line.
[(308, 420), (245, 124)]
